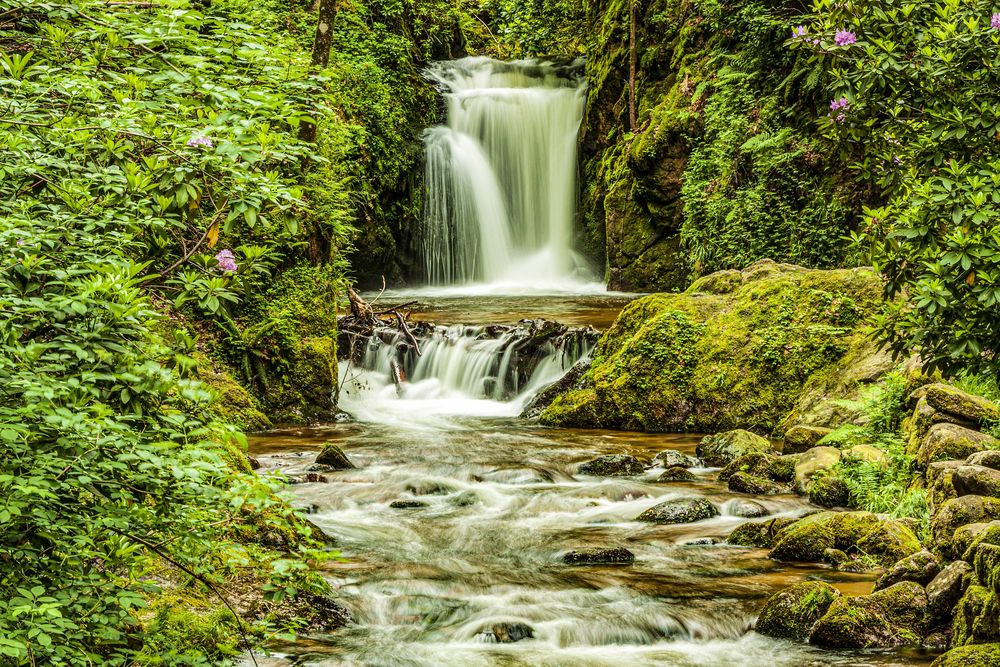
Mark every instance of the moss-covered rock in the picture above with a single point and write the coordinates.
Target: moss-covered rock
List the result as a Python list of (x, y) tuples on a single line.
[(940, 488), (971, 480), (232, 402), (679, 510), (896, 616), (792, 612), (989, 459), (710, 362), (669, 458), (977, 617), (968, 538), (676, 474), (753, 485), (304, 393), (782, 468), (598, 556), (612, 465), (800, 438), (946, 589), (759, 534), (958, 512), (332, 457), (884, 541), (755, 463), (190, 626), (816, 461), (722, 449), (920, 567), (982, 655), (868, 453), (951, 441), (829, 491), (953, 401)]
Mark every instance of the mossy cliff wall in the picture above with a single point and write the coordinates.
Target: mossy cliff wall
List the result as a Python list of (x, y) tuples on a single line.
[(721, 169), (734, 351)]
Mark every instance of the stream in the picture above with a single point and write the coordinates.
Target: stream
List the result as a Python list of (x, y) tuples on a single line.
[(501, 502)]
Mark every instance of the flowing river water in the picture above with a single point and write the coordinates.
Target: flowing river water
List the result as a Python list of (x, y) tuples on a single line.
[(501, 501)]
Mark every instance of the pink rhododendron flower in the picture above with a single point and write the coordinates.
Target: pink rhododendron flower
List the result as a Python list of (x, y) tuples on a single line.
[(227, 261)]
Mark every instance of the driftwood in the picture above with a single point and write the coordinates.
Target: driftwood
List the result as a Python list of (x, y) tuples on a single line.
[(364, 321)]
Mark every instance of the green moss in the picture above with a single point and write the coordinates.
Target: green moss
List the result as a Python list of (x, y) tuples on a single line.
[(829, 491), (977, 616), (711, 362), (895, 616), (860, 534), (983, 655), (233, 404), (186, 627), (792, 612)]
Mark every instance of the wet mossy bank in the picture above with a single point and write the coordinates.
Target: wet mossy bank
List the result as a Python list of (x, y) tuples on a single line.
[(738, 349)]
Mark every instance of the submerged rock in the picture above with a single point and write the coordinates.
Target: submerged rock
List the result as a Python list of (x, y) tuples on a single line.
[(670, 458), (748, 509), (920, 567), (676, 474), (679, 510), (792, 612), (612, 556), (331, 458), (506, 632), (884, 540), (722, 448), (742, 482), (896, 616), (407, 504), (612, 465)]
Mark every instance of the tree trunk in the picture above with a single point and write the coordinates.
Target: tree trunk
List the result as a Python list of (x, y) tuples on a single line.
[(320, 53), (631, 65)]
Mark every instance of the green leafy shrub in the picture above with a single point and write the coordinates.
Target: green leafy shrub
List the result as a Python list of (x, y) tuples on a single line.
[(912, 104)]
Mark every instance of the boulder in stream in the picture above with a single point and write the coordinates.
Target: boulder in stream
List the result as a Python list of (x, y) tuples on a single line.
[(800, 438), (829, 491), (895, 616), (679, 510), (753, 485), (676, 474), (748, 509), (920, 567), (612, 465), (759, 534), (670, 458), (331, 458), (612, 556), (407, 504), (791, 613), (883, 540), (505, 632), (722, 448)]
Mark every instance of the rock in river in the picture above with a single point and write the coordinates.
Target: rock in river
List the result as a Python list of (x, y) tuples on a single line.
[(722, 448), (331, 458), (612, 465), (896, 616), (669, 458), (679, 510), (792, 612), (613, 556)]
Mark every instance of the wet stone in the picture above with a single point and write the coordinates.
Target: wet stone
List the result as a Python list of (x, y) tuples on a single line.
[(669, 458), (407, 504), (747, 509), (613, 465), (676, 474), (332, 458), (613, 556), (505, 633), (679, 510)]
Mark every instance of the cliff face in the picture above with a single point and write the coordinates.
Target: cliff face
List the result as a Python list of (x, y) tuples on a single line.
[(720, 170)]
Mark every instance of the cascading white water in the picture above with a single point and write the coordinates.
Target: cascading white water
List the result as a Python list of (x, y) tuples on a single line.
[(462, 370), (501, 175)]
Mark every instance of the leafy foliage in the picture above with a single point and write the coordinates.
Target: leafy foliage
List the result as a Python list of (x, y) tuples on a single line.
[(133, 142), (913, 84)]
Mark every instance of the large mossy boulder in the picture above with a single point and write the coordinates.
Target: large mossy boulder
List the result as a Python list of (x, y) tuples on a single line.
[(758, 534), (708, 362), (816, 461), (612, 465), (800, 438), (989, 459), (977, 617), (883, 540), (721, 449), (979, 655), (971, 480), (829, 491), (951, 441), (792, 612), (896, 616), (679, 510), (946, 589), (753, 485), (920, 567), (959, 512), (953, 401), (755, 463)]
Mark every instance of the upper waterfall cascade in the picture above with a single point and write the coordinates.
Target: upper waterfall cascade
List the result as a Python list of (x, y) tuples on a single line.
[(501, 186)]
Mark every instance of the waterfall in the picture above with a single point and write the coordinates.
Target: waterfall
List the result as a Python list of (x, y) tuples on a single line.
[(463, 370), (501, 175)]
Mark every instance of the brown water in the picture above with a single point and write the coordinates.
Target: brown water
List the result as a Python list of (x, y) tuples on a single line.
[(503, 503)]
